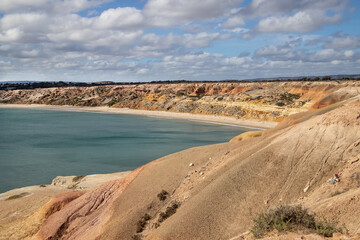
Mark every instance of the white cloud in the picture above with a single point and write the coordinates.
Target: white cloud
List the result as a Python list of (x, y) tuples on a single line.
[(119, 18), (349, 53), (166, 13), (263, 8), (8, 5), (199, 40), (237, 60), (292, 16), (142, 71), (54, 39), (233, 22), (301, 22), (11, 35), (53, 6), (343, 42)]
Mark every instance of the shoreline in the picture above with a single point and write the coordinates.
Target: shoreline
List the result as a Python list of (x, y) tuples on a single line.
[(253, 124)]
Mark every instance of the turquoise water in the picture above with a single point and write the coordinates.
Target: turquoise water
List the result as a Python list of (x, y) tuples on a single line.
[(38, 145)]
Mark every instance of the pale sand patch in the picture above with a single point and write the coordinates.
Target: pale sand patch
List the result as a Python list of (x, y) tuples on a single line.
[(162, 114)]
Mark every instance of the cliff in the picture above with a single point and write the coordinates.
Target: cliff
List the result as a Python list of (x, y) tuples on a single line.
[(267, 101)]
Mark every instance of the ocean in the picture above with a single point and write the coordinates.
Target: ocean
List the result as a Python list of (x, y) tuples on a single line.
[(38, 145)]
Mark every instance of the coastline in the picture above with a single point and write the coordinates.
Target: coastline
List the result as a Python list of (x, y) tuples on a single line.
[(253, 124)]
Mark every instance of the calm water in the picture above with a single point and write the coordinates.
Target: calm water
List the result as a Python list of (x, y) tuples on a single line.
[(38, 145)]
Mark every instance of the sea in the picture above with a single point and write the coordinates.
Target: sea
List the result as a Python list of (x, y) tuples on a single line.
[(38, 145)]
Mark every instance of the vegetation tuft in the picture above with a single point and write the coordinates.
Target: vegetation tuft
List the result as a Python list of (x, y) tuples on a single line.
[(78, 178), (13, 197), (142, 223), (136, 237), (168, 212), (162, 195), (286, 218), (112, 102), (289, 97), (17, 196)]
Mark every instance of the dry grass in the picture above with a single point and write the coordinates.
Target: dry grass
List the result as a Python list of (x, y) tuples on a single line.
[(287, 218)]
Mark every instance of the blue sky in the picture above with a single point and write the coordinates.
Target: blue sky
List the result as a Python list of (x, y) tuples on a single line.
[(146, 40)]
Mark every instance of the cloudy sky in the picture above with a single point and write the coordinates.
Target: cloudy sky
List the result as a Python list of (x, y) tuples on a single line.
[(145, 40)]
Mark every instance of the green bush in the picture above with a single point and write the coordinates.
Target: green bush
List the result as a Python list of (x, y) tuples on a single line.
[(286, 218)]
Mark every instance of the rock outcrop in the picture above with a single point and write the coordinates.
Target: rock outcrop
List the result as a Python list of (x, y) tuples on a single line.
[(267, 101)]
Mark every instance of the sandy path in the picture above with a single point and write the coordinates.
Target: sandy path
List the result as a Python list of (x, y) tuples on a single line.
[(163, 114)]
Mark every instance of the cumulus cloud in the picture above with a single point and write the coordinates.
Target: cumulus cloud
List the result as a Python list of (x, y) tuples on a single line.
[(166, 13), (233, 22), (11, 35), (340, 41), (8, 5), (169, 39), (292, 16), (263, 8), (53, 6), (119, 18), (301, 22)]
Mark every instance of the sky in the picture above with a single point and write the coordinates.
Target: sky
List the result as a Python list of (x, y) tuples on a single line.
[(150, 40)]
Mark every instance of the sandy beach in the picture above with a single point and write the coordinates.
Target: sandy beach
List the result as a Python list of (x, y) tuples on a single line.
[(258, 125)]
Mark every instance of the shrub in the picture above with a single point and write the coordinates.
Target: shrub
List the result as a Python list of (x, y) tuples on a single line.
[(17, 196), (162, 195), (136, 237), (142, 223), (289, 96), (112, 102), (285, 218), (326, 229), (168, 212)]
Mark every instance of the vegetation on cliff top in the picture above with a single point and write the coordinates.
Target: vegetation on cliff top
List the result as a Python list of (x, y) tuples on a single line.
[(289, 218)]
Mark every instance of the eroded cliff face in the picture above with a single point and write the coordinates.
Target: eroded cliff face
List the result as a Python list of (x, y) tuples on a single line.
[(271, 101)]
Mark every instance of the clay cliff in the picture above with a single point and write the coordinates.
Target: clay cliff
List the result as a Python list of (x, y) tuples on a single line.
[(214, 192), (270, 101)]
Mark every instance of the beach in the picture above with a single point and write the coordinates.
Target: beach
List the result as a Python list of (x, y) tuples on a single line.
[(258, 125)]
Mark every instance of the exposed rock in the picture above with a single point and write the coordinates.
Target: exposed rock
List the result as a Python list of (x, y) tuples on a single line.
[(267, 101)]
